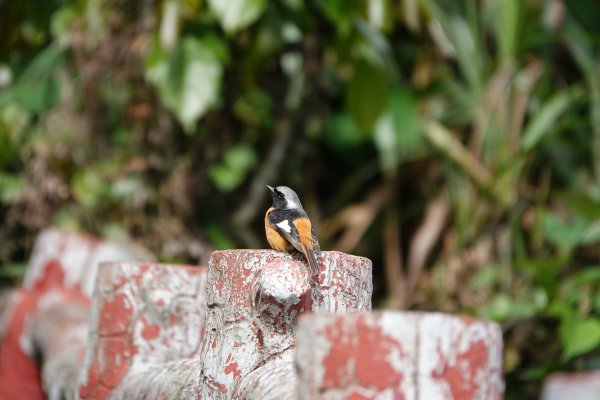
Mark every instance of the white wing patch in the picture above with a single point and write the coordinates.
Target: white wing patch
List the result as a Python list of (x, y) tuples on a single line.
[(285, 225)]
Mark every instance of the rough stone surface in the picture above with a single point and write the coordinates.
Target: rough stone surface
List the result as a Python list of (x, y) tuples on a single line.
[(394, 355), (254, 298), (272, 381), (566, 386), (143, 315), (59, 332), (172, 380), (46, 318)]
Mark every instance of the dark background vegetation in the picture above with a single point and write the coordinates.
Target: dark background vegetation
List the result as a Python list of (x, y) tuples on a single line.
[(454, 143)]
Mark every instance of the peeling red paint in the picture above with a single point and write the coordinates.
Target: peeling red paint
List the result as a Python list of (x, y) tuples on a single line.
[(150, 331), (125, 337), (461, 373), (372, 352), (371, 355), (19, 373), (357, 396), (54, 277), (115, 354), (115, 315), (358, 355), (233, 369)]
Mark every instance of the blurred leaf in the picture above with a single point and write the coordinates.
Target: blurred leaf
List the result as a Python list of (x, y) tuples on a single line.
[(230, 173), (11, 187), (254, 107), (463, 41), (566, 234), (545, 119), (579, 335), (188, 79), (592, 233), (66, 219), (380, 14), (235, 15), (397, 132), (506, 19), (367, 95), (13, 271), (60, 25), (218, 238), (587, 12), (589, 275), (588, 62), (375, 49), (498, 308), (487, 276), (89, 187), (342, 131), (35, 89), (341, 13)]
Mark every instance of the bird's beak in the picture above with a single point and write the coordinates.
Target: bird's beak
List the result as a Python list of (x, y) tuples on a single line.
[(270, 188)]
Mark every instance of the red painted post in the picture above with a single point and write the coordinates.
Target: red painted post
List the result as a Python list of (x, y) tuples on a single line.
[(395, 355), (254, 298), (572, 385), (143, 315), (48, 316)]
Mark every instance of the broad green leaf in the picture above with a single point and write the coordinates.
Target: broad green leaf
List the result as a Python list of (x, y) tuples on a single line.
[(545, 119), (579, 336), (367, 95), (235, 15), (188, 79)]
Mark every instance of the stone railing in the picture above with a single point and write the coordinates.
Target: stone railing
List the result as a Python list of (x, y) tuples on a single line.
[(253, 325)]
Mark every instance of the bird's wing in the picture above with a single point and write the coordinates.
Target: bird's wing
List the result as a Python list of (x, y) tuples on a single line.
[(282, 222)]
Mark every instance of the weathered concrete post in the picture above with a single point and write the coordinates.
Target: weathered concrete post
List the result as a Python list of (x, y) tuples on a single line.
[(583, 385), (396, 355), (254, 298), (47, 317), (143, 315)]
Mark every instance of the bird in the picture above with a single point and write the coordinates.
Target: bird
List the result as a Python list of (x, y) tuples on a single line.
[(288, 227)]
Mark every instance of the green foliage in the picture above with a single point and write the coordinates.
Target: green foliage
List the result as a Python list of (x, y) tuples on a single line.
[(230, 173), (468, 131), (188, 77), (235, 15)]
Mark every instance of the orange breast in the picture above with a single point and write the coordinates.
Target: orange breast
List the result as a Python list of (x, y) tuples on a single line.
[(275, 240)]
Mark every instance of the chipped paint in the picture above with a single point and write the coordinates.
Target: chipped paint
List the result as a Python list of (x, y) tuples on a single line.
[(143, 314), (394, 355), (254, 299)]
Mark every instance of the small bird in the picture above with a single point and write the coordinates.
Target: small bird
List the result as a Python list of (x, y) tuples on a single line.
[(288, 227)]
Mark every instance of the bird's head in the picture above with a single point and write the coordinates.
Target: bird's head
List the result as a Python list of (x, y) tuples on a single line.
[(284, 198)]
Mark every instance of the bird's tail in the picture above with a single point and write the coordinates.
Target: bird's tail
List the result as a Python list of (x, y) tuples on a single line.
[(312, 260)]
